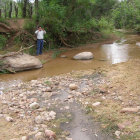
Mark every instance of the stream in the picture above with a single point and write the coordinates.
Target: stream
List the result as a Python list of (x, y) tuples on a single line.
[(104, 54)]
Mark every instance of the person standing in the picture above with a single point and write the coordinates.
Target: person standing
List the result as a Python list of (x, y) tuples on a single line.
[(40, 36)]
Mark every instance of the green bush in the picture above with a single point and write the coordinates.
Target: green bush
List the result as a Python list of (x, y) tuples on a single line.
[(3, 40), (126, 15), (2, 20), (30, 26)]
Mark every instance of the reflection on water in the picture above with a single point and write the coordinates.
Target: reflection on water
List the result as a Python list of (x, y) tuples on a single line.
[(116, 52), (104, 54)]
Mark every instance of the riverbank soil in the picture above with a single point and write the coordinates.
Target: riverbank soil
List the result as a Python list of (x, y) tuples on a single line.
[(116, 100)]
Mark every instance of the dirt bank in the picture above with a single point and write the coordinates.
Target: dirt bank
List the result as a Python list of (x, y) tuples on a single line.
[(118, 94)]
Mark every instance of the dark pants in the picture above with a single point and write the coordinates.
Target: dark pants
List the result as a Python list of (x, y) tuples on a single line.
[(39, 46)]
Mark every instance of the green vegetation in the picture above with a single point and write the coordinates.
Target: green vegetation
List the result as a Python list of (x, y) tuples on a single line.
[(126, 15), (3, 40), (72, 22)]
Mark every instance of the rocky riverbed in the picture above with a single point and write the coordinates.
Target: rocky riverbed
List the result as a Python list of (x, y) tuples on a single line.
[(46, 108), (63, 107)]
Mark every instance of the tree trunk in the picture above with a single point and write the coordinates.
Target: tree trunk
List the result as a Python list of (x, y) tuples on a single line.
[(16, 11), (30, 11), (36, 9), (5, 11), (24, 8), (0, 13), (10, 11)]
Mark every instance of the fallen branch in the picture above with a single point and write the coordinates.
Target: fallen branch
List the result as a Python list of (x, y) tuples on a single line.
[(15, 53), (62, 40)]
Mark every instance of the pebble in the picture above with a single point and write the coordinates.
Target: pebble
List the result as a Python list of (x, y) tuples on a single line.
[(50, 134), (96, 104), (48, 89), (40, 136), (34, 105), (117, 133), (130, 110), (68, 138), (38, 119), (9, 119), (73, 86), (24, 138)]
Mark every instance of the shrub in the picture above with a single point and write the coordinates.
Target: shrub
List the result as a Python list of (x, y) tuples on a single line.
[(3, 40), (30, 26)]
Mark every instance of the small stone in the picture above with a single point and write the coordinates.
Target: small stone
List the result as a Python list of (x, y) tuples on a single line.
[(34, 105), (96, 103), (24, 138), (117, 133), (40, 136), (130, 110), (66, 133), (67, 107), (50, 134), (52, 114), (73, 86), (63, 56), (70, 96), (9, 119), (38, 119), (48, 89), (68, 138)]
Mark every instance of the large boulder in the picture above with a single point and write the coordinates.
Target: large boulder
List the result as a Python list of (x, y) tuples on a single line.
[(22, 62), (83, 56)]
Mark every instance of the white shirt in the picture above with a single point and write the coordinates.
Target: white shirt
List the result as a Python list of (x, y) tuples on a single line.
[(40, 34)]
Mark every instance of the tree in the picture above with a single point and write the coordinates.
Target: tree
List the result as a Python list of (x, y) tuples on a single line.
[(5, 10), (0, 13), (10, 10), (16, 11), (36, 9), (24, 8)]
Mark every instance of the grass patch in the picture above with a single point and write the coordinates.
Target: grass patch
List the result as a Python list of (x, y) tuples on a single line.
[(43, 61), (48, 83), (134, 136), (2, 20), (57, 52)]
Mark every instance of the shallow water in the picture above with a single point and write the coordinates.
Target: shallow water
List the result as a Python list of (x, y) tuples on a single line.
[(104, 54)]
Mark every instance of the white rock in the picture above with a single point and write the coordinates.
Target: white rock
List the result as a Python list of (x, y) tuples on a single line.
[(73, 86), (22, 62), (63, 56), (48, 89), (130, 110), (138, 44), (24, 138), (96, 104), (68, 138), (39, 135), (83, 56), (67, 107), (52, 114), (34, 105), (9, 119), (50, 134), (117, 133), (38, 119)]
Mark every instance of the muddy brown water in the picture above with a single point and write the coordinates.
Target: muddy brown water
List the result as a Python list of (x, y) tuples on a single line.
[(104, 54)]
